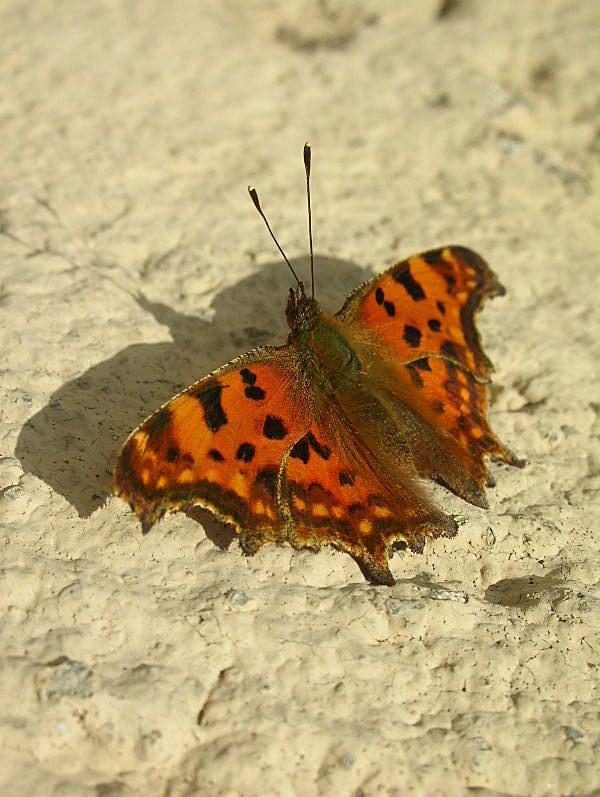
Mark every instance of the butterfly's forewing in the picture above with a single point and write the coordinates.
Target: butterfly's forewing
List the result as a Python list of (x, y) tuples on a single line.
[(219, 444), (421, 315), (426, 305)]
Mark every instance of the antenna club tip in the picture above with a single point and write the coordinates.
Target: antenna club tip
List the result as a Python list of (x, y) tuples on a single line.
[(307, 158), (254, 197)]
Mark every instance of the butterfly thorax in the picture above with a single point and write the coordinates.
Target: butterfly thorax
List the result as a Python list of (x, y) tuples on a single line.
[(319, 339), (334, 382)]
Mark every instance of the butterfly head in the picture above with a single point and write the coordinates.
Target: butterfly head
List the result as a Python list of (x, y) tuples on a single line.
[(301, 311)]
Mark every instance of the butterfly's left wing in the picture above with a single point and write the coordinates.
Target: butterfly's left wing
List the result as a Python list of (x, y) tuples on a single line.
[(420, 318), (219, 444)]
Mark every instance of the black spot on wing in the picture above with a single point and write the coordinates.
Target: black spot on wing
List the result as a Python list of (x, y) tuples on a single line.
[(414, 375), (248, 377), (252, 390), (255, 392), (379, 296), (415, 367), (412, 335), (301, 451), (434, 324), (267, 478), (450, 281), (433, 256), (438, 405), (216, 455), (245, 452), (390, 308), (274, 428), (209, 397), (441, 307), (449, 349), (157, 423), (346, 479), (172, 454), (323, 451), (409, 283), (422, 364)]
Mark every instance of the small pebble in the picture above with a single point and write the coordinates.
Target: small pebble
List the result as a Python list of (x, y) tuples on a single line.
[(395, 606), (592, 605), (67, 678), (573, 734), (238, 599), (448, 595), (25, 399), (489, 538), (13, 493)]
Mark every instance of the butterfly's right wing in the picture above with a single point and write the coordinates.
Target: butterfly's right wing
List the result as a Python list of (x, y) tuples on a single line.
[(420, 316), (425, 306)]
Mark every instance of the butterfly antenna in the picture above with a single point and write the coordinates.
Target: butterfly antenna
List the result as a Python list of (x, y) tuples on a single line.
[(254, 197), (312, 261)]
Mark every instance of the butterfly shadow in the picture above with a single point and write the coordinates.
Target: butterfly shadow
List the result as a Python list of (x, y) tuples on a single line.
[(73, 442)]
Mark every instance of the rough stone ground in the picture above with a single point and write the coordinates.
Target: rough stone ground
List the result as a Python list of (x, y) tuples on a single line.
[(132, 262)]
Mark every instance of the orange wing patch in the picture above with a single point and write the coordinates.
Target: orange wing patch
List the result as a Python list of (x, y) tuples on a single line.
[(426, 305), (335, 497), (450, 399), (422, 313), (219, 444)]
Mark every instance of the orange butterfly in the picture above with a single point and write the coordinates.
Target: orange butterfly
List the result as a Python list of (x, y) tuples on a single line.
[(323, 441)]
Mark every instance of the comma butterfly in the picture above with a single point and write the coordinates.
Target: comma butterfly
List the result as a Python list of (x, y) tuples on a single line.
[(324, 441)]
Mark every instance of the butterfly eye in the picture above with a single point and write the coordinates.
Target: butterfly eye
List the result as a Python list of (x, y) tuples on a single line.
[(353, 363), (333, 349), (348, 361)]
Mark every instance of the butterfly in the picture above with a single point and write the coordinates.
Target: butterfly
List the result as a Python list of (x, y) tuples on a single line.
[(327, 439)]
